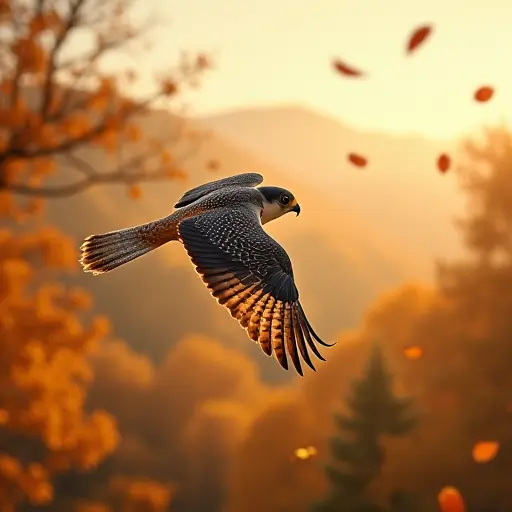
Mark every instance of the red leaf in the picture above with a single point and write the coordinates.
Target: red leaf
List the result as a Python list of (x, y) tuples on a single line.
[(357, 160), (450, 500), (484, 94), (345, 69), (418, 37), (443, 162)]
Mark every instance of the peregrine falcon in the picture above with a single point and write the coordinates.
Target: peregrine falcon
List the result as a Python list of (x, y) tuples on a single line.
[(220, 225)]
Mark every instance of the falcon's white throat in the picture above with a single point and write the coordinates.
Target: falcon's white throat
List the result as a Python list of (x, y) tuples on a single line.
[(271, 211)]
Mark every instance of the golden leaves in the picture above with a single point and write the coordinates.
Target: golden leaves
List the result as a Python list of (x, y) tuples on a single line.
[(32, 481), (44, 346)]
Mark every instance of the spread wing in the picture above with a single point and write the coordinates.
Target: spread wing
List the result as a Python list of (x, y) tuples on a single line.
[(248, 179), (249, 273)]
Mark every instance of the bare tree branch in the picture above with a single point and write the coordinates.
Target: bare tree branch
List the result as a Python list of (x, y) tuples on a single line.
[(67, 118), (121, 175), (128, 173), (59, 42)]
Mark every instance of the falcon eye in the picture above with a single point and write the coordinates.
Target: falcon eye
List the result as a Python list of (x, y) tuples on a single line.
[(285, 199)]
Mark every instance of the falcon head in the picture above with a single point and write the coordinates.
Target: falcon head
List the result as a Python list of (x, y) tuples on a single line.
[(276, 202)]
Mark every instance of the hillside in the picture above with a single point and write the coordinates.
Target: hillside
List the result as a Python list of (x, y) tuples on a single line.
[(400, 193)]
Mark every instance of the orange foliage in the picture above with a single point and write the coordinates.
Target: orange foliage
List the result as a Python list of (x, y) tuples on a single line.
[(44, 370), (197, 432), (45, 342), (141, 495)]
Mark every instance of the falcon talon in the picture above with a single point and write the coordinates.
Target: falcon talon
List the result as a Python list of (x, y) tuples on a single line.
[(220, 225)]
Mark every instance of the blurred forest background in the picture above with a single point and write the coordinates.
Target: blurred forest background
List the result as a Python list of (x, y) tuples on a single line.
[(136, 392)]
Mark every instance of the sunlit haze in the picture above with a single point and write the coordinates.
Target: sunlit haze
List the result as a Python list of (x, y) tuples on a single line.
[(269, 52)]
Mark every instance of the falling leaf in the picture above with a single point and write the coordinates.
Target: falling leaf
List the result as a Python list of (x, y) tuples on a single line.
[(345, 69), (485, 451), (413, 352), (450, 500), (484, 94), (443, 162), (357, 160), (418, 37)]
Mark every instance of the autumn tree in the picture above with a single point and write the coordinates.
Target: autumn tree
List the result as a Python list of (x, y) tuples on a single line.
[(60, 106), (140, 495), (357, 455), (44, 428), (59, 98), (479, 287)]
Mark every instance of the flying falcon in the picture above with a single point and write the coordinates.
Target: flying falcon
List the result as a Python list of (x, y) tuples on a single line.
[(220, 224)]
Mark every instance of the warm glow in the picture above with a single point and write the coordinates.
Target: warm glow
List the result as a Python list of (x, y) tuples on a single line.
[(305, 453)]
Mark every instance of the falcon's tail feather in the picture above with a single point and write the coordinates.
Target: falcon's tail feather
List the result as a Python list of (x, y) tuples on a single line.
[(105, 252)]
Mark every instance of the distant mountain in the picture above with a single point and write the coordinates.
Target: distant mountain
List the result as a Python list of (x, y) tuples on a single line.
[(400, 194), (341, 259)]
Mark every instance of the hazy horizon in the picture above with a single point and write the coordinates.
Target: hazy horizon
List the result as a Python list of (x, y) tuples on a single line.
[(428, 93)]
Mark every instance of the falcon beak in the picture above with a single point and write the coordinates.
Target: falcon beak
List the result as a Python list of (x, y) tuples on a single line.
[(296, 209)]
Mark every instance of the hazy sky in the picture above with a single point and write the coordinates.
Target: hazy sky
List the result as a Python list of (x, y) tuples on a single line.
[(270, 51)]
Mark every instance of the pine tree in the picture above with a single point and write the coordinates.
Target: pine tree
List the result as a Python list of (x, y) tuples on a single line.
[(356, 451)]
